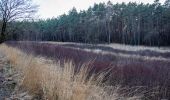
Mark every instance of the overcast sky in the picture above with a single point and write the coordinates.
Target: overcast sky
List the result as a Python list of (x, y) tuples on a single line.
[(54, 8)]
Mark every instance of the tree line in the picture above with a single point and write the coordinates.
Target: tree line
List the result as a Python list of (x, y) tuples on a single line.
[(126, 23)]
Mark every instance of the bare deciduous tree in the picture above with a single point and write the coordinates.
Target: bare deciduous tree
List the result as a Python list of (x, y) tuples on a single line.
[(11, 10)]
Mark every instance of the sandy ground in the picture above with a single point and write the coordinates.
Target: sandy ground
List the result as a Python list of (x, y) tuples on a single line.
[(5, 88), (6, 83)]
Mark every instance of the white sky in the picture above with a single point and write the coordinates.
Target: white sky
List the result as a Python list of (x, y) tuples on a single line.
[(54, 8)]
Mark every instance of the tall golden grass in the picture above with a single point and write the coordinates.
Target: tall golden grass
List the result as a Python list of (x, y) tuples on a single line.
[(53, 82)]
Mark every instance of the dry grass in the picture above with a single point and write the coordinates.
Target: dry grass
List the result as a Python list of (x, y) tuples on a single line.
[(119, 46), (50, 81)]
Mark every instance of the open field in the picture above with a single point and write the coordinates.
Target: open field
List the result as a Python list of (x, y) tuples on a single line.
[(41, 78), (149, 72), (128, 50)]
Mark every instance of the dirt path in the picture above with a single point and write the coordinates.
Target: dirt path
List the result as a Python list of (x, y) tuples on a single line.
[(9, 88), (6, 84)]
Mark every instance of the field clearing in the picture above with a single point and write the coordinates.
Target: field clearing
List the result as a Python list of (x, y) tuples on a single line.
[(128, 51), (40, 78), (119, 46), (151, 74)]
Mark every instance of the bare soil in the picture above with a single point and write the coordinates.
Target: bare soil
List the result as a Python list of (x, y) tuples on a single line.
[(7, 85)]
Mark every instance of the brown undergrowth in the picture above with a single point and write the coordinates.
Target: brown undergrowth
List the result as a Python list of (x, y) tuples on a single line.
[(45, 79)]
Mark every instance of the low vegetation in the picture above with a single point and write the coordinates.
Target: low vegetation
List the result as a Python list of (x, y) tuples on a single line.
[(149, 76), (45, 79)]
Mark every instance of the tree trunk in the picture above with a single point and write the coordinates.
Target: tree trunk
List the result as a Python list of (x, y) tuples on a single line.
[(109, 33), (138, 29), (2, 37)]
